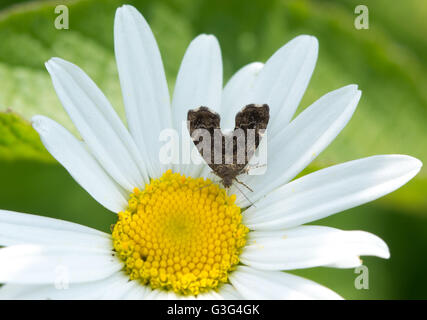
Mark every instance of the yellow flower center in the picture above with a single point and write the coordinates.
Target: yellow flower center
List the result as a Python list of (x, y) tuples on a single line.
[(180, 234)]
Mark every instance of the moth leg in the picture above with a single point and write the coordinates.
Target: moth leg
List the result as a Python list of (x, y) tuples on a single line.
[(249, 200), (243, 184)]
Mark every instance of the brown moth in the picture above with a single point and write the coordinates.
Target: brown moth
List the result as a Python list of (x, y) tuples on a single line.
[(227, 155)]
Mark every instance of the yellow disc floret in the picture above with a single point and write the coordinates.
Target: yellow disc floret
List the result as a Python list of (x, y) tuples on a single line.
[(180, 234)]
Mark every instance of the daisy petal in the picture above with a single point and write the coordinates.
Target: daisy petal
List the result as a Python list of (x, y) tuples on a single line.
[(12, 291), (284, 79), (119, 288), (25, 219), (98, 123), (331, 190), (137, 291), (237, 93), (199, 80), (228, 292), (347, 263), (34, 264), (21, 228), (81, 165), (75, 291), (310, 246), (211, 295), (144, 86), (293, 148), (161, 295), (199, 83), (262, 285), (9, 291)]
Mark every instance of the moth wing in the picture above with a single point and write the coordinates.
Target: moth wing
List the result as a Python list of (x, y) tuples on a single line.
[(252, 120), (202, 123), (253, 116)]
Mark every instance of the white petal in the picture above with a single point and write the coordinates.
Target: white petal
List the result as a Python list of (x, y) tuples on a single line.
[(199, 80), (228, 292), (293, 148), (119, 288), (78, 291), (199, 83), (211, 295), (36, 221), (310, 246), (11, 291), (73, 291), (137, 291), (284, 79), (350, 262), (34, 264), (237, 93), (261, 285), (21, 228), (331, 190), (98, 123), (143, 82), (161, 295), (81, 165)]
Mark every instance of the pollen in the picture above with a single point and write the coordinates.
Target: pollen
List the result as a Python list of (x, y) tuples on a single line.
[(181, 234)]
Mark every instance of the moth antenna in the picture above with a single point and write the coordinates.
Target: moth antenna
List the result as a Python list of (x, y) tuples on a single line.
[(243, 184), (208, 185), (245, 196)]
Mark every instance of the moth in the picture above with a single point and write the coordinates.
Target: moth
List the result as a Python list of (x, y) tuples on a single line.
[(227, 155)]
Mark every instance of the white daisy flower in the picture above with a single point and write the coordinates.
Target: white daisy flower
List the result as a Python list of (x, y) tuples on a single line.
[(177, 234)]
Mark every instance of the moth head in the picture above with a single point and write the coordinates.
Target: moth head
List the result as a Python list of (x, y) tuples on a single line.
[(227, 181)]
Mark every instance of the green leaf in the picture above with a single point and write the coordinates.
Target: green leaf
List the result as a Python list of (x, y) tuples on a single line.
[(19, 140)]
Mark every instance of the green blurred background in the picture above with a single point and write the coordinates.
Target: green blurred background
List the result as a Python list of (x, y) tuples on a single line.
[(387, 61)]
